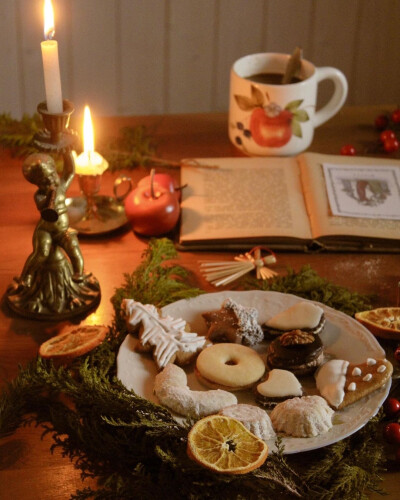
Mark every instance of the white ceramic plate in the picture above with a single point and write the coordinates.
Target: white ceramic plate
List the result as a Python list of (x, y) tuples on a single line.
[(343, 338)]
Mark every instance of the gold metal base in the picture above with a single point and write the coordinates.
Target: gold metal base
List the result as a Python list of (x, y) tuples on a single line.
[(108, 215)]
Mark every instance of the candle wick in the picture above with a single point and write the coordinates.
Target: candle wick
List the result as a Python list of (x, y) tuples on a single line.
[(50, 34), (89, 156)]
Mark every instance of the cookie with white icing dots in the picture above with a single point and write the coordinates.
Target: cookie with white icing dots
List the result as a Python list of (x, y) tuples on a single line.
[(303, 315), (342, 383)]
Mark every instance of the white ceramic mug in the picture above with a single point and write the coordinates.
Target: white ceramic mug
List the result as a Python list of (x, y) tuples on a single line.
[(267, 119)]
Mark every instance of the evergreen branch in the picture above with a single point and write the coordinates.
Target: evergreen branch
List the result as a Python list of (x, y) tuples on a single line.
[(309, 285), (135, 448)]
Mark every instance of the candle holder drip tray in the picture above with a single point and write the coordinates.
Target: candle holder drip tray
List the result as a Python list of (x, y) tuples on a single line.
[(109, 215)]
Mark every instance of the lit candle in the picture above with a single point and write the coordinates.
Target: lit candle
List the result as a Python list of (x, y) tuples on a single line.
[(51, 67), (89, 162)]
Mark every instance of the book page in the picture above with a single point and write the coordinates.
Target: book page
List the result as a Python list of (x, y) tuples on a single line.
[(323, 222), (243, 198)]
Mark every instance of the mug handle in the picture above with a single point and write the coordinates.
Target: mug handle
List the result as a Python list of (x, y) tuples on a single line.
[(122, 179), (339, 94)]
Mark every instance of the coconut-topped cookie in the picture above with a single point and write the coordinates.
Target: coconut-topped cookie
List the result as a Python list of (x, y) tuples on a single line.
[(234, 323), (304, 316)]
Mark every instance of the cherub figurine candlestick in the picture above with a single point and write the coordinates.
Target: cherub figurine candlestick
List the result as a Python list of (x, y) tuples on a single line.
[(53, 284)]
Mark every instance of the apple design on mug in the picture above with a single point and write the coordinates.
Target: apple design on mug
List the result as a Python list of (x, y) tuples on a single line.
[(271, 126)]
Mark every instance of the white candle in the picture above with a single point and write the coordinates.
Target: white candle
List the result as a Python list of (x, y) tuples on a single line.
[(51, 67), (89, 162)]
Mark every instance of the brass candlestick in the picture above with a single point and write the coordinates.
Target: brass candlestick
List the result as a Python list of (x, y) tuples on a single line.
[(53, 284)]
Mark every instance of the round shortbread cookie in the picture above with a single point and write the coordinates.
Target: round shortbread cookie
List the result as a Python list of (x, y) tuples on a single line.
[(232, 366)]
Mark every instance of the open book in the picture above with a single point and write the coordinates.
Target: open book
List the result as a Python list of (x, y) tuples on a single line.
[(278, 202)]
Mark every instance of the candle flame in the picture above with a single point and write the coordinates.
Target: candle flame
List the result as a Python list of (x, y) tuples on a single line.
[(88, 135), (49, 29)]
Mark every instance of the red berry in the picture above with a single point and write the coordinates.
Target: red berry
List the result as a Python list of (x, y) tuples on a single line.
[(387, 134), (396, 116), (381, 122), (348, 150), (391, 407), (391, 433), (391, 145)]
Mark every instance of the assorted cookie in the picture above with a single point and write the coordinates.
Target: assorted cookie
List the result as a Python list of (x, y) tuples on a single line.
[(233, 367), (342, 383), (307, 416), (304, 316), (278, 386), (253, 418), (225, 363), (168, 338), (171, 388), (297, 351), (234, 323)]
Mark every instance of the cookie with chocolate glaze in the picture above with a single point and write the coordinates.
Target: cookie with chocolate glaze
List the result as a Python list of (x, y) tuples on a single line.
[(297, 351)]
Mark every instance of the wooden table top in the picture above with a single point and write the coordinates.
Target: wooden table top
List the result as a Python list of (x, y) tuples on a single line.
[(27, 468)]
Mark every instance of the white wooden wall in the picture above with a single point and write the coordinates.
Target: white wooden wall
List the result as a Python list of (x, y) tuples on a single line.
[(146, 57)]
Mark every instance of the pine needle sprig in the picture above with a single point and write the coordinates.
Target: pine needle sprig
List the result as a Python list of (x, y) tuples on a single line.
[(153, 281), (132, 148), (17, 135), (308, 284)]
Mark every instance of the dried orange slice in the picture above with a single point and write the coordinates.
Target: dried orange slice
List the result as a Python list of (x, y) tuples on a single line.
[(73, 341), (224, 445), (382, 322)]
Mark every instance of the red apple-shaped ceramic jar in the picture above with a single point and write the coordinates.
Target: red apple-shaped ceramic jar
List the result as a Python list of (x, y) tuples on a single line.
[(152, 209)]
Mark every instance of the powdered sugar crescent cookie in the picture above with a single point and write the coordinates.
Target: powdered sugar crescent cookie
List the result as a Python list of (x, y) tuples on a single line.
[(232, 367), (253, 418), (170, 386), (342, 383)]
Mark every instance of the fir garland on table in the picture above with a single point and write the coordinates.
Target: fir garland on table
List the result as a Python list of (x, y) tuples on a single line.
[(133, 147), (136, 449)]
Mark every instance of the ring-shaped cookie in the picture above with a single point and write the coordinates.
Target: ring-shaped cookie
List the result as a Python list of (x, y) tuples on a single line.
[(229, 366)]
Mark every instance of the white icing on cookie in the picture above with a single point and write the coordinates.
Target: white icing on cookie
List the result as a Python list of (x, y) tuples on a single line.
[(356, 371), (165, 334), (280, 383), (300, 315), (367, 377), (381, 369), (331, 379), (371, 361), (352, 386)]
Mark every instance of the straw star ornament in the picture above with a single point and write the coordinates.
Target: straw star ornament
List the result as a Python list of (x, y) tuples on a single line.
[(224, 272)]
